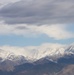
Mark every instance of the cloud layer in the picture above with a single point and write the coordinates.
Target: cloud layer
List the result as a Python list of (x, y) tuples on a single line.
[(38, 12), (37, 17), (57, 31)]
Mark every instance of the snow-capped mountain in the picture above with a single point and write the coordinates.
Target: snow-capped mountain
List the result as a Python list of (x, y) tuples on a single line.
[(35, 53), (14, 56), (7, 55)]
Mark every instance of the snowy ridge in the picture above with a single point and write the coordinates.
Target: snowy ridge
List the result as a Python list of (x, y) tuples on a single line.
[(35, 53)]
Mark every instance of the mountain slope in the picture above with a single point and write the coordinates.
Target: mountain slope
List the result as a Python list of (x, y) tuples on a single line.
[(68, 70)]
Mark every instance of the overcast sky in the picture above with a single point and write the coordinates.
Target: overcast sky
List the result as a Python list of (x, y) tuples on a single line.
[(34, 22)]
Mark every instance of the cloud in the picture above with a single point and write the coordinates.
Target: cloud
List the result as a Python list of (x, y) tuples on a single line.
[(7, 1), (57, 32), (38, 12)]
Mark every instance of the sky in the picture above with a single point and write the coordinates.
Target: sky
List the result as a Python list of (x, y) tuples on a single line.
[(36, 22)]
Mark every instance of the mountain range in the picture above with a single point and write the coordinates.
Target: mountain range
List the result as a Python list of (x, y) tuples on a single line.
[(44, 60)]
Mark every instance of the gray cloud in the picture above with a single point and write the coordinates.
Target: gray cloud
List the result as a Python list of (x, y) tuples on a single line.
[(38, 12)]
